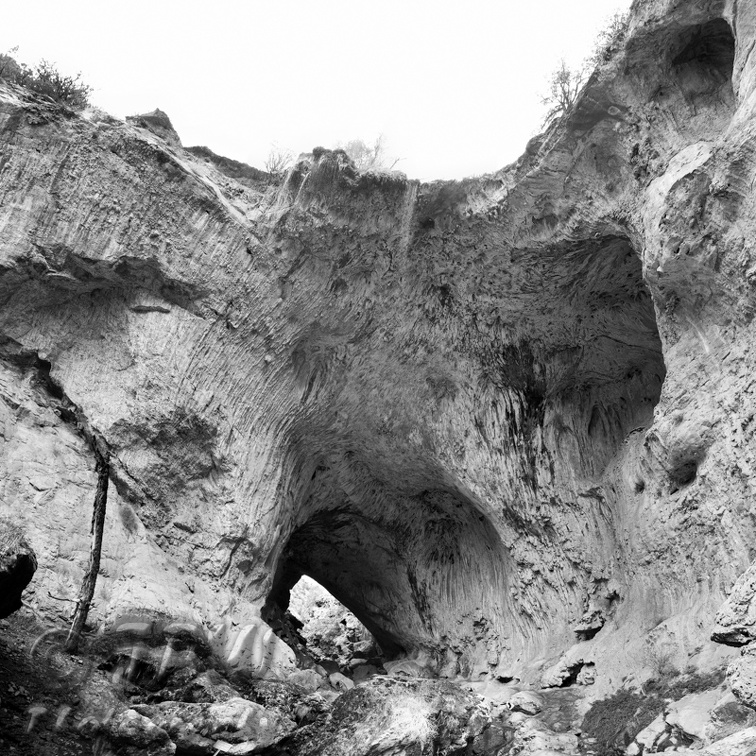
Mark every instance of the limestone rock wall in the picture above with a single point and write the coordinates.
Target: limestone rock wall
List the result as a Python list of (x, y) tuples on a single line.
[(506, 421)]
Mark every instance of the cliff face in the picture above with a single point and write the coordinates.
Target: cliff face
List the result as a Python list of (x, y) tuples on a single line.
[(502, 419)]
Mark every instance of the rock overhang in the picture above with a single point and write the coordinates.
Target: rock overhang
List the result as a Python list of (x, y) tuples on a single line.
[(399, 378)]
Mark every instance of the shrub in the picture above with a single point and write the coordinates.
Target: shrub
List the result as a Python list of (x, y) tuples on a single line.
[(45, 79), (9, 68), (609, 39), (661, 659), (695, 682), (374, 158), (615, 721)]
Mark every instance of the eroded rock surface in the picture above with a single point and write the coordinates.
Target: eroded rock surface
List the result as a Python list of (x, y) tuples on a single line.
[(494, 418), (736, 618), (131, 734), (395, 717), (197, 727)]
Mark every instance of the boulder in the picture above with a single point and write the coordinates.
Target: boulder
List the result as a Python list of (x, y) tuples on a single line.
[(307, 679), (741, 675), (255, 649), (736, 618), (340, 682), (147, 648), (364, 672), (158, 123), (526, 702), (394, 717), (208, 687), (406, 668), (741, 743), (17, 566), (196, 727), (692, 714), (130, 733), (532, 737), (729, 716), (647, 738), (363, 649)]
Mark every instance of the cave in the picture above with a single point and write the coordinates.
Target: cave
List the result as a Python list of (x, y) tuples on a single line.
[(704, 57), (325, 548), (506, 422), (407, 557), (404, 565), (689, 75), (604, 374)]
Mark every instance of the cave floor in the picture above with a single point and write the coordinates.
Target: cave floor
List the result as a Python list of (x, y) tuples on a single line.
[(41, 705)]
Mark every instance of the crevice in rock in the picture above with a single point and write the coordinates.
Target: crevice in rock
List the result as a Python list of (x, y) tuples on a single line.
[(60, 274), (41, 370), (588, 633), (575, 673), (571, 675)]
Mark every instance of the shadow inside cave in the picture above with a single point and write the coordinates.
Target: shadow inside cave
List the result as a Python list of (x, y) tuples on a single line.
[(408, 567), (426, 565)]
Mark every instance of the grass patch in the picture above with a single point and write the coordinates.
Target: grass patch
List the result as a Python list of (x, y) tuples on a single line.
[(11, 537), (613, 723)]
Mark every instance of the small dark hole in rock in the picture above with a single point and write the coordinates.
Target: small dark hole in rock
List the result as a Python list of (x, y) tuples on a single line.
[(572, 676), (683, 475), (587, 634), (640, 486)]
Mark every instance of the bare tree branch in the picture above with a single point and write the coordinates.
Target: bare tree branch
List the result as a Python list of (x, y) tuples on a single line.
[(279, 161), (373, 158)]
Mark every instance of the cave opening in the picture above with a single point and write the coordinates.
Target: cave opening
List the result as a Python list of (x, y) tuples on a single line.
[(329, 633), (330, 549), (406, 564), (705, 58)]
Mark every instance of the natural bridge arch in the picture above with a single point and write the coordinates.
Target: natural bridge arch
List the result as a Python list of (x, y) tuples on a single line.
[(405, 569), (430, 568)]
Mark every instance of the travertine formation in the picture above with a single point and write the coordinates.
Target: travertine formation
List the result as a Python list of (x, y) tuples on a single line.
[(508, 421)]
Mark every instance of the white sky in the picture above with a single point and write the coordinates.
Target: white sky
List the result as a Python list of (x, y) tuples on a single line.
[(454, 87)]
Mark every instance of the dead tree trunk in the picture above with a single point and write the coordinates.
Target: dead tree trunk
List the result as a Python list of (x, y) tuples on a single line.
[(98, 522)]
